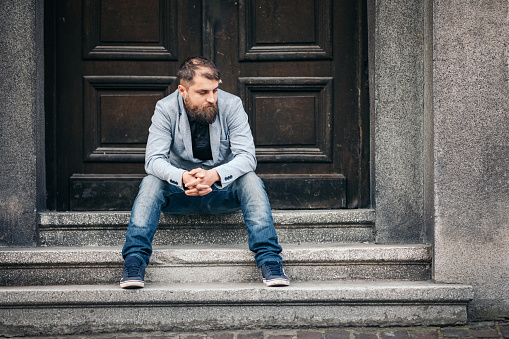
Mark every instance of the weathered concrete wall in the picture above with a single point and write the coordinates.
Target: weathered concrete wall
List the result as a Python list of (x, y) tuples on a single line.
[(397, 48), (428, 189), (471, 119), (21, 120)]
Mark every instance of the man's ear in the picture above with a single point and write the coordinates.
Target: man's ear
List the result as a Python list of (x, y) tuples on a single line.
[(182, 90)]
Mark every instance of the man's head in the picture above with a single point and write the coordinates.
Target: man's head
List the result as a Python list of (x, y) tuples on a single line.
[(198, 84)]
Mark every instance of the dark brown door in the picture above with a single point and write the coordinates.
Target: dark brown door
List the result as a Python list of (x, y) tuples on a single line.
[(299, 66)]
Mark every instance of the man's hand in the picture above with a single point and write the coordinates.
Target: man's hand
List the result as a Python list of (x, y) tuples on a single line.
[(199, 181)]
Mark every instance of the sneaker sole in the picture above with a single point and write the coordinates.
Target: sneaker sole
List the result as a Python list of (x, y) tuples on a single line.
[(276, 282), (132, 284)]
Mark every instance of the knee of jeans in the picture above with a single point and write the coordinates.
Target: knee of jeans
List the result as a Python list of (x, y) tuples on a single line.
[(148, 201), (250, 181), (151, 184), (251, 188)]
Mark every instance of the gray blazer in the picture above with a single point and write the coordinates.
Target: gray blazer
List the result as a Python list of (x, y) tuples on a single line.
[(170, 150)]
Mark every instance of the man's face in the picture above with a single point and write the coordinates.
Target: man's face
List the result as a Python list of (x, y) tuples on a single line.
[(200, 98)]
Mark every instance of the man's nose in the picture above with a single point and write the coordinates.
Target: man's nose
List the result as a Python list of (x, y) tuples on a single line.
[(211, 98)]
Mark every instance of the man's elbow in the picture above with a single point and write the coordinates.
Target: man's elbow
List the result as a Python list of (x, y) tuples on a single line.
[(253, 163), (147, 168), (149, 162)]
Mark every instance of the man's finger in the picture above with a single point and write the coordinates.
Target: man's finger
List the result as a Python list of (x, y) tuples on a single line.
[(193, 183), (195, 171), (203, 192), (192, 192), (199, 173)]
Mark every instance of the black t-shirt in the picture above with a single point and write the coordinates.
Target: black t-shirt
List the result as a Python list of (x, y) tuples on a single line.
[(201, 139)]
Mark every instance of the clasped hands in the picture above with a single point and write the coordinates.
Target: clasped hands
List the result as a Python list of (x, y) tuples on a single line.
[(198, 182)]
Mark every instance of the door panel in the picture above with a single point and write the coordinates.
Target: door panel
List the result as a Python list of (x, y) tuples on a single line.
[(290, 117), (130, 29), (284, 30), (117, 110), (297, 64)]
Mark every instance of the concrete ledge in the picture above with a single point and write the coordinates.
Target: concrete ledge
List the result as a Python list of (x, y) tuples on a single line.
[(286, 217), (102, 309), (108, 228), (184, 255), (194, 264), (323, 292)]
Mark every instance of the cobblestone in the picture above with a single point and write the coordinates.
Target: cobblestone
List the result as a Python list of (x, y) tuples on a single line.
[(337, 334), (396, 334), (474, 330), (252, 335), (424, 334), (455, 333), (504, 330), (486, 332), (309, 335)]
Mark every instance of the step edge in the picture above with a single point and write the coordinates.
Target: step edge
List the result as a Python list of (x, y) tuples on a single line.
[(239, 293), (292, 254), (366, 217)]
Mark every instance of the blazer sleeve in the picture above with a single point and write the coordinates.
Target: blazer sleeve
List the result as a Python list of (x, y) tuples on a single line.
[(241, 145), (158, 147)]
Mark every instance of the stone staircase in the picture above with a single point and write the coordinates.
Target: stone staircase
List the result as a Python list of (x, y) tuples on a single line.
[(202, 277)]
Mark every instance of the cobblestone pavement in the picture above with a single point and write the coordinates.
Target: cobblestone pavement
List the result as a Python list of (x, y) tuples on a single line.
[(474, 330)]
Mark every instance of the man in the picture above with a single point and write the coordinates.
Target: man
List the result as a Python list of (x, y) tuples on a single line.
[(200, 159)]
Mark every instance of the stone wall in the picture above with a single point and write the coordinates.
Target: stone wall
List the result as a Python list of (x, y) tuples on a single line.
[(471, 139), (21, 120)]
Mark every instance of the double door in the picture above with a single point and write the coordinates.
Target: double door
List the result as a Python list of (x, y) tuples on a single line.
[(298, 65)]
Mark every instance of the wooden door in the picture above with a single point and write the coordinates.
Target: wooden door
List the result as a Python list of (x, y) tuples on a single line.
[(298, 65)]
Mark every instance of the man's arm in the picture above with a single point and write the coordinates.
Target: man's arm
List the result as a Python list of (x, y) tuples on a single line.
[(241, 145), (158, 146)]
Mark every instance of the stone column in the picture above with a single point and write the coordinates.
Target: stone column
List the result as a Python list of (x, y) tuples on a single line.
[(397, 90), (22, 170), (471, 151)]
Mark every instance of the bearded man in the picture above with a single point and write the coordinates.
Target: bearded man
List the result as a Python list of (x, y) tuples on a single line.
[(200, 159)]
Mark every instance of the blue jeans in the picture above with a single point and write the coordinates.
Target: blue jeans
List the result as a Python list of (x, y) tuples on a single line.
[(247, 193)]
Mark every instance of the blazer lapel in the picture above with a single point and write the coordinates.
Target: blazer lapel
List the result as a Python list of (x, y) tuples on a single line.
[(184, 129)]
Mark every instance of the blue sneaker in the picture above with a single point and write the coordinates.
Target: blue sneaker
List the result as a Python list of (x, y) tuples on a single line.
[(134, 273), (273, 274)]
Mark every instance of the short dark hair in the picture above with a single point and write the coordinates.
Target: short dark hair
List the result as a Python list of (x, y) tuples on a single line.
[(191, 66)]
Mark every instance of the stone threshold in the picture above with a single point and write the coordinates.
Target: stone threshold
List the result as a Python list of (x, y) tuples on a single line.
[(293, 226), (281, 218)]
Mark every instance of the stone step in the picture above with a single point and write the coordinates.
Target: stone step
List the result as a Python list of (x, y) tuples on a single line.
[(298, 226), (207, 263), (78, 309)]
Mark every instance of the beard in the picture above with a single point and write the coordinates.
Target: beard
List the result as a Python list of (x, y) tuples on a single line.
[(204, 115)]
